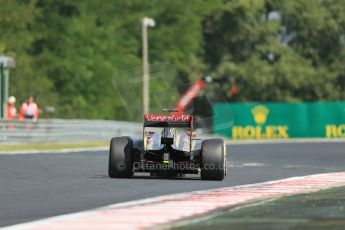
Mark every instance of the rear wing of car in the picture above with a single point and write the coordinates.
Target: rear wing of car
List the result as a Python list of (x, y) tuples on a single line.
[(173, 120)]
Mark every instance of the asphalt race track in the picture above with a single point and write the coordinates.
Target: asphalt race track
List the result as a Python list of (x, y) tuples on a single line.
[(35, 186)]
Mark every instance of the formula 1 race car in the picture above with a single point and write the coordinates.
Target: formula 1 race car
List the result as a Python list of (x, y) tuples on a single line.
[(167, 149)]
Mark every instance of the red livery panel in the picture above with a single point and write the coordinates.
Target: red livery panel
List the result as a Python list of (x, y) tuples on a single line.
[(168, 118)]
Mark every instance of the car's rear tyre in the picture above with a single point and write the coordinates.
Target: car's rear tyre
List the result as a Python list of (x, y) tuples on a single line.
[(213, 159), (120, 157)]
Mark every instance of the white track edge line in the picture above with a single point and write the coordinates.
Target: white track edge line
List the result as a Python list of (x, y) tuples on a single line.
[(228, 142), (74, 150)]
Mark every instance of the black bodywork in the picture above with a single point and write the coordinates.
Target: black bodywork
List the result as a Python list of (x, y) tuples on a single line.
[(178, 162)]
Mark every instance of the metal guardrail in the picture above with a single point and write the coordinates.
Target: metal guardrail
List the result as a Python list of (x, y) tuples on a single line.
[(63, 130)]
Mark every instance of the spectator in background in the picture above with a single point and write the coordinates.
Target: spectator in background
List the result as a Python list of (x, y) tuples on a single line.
[(29, 110), (11, 111)]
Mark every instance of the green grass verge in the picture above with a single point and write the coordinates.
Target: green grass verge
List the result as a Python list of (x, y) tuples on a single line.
[(320, 210), (50, 146)]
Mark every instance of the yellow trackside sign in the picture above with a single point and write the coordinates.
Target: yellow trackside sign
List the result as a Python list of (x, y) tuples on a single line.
[(257, 132), (279, 120), (335, 130), (260, 114)]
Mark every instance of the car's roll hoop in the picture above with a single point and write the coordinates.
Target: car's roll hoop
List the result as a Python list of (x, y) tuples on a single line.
[(170, 110)]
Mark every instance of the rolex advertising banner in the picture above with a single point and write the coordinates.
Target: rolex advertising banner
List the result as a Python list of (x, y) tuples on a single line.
[(279, 120)]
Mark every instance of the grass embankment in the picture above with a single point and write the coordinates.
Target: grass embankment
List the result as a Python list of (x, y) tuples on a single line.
[(320, 210), (49, 146)]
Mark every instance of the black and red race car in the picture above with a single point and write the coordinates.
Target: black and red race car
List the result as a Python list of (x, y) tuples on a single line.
[(167, 149)]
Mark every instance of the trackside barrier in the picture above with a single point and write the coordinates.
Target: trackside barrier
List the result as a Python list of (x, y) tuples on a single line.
[(63, 130), (264, 120)]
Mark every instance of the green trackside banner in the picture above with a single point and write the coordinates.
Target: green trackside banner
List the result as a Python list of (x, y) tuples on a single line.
[(279, 120)]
